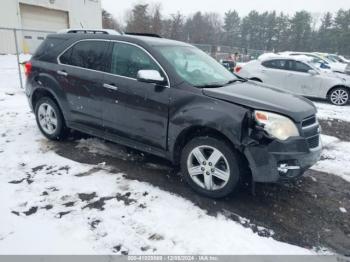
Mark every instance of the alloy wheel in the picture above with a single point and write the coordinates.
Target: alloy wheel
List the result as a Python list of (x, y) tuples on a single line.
[(208, 168), (47, 118), (339, 97)]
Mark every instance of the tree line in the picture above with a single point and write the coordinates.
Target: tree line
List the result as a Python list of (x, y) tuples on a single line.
[(270, 31)]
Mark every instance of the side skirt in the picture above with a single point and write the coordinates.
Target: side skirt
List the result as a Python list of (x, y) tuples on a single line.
[(120, 140)]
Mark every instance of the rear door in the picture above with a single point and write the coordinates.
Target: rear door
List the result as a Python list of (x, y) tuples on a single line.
[(80, 73), (133, 109), (274, 72)]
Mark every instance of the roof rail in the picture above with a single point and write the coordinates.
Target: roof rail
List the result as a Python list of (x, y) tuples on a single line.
[(142, 34), (89, 31)]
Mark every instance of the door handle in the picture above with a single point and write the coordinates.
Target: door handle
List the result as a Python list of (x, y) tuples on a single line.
[(112, 87), (62, 73)]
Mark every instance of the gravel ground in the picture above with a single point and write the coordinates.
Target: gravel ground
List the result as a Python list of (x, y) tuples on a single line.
[(305, 213)]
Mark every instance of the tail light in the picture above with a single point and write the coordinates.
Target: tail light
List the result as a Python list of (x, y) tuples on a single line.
[(27, 68), (238, 68)]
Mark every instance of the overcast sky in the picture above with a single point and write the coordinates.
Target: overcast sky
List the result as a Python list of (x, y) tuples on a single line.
[(118, 7)]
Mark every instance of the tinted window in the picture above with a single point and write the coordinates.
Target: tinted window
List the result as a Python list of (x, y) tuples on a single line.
[(300, 67), (127, 60), (86, 54), (276, 64), (49, 49)]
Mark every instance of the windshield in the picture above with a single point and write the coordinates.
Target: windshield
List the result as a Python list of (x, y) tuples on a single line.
[(315, 65), (196, 67)]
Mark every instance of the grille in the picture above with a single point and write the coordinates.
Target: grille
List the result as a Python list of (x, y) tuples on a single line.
[(313, 141), (310, 130), (308, 121)]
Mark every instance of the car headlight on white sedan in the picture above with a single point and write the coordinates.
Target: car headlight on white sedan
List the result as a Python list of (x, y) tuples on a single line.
[(276, 125)]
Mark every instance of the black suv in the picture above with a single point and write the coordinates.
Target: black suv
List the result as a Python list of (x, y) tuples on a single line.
[(172, 100)]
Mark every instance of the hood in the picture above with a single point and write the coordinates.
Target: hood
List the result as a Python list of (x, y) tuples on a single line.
[(343, 77), (262, 97)]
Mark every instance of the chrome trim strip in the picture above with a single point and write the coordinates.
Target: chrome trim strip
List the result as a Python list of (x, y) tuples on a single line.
[(118, 41), (310, 126), (284, 168)]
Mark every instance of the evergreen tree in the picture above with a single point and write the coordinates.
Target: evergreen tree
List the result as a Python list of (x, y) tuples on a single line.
[(232, 23), (139, 20)]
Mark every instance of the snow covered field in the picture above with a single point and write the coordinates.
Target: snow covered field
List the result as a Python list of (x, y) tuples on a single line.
[(52, 205)]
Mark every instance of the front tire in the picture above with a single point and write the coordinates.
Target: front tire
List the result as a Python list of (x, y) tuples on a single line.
[(210, 167), (50, 119), (339, 96)]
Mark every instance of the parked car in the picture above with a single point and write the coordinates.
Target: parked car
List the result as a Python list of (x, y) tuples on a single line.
[(341, 61), (295, 75), (323, 61), (338, 58), (229, 65), (172, 100)]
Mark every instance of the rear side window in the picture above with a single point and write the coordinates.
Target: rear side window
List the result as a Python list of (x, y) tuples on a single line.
[(49, 49), (128, 59), (86, 54), (276, 64)]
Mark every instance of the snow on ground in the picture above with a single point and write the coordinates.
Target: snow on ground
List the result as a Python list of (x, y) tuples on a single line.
[(52, 205), (335, 157), (328, 111)]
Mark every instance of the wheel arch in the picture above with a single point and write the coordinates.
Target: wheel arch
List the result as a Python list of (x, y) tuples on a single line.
[(43, 92), (337, 86), (197, 131)]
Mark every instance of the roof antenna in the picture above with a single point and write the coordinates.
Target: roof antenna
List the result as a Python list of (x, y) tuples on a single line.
[(81, 25)]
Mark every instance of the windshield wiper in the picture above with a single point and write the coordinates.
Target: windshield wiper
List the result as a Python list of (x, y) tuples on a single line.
[(213, 85), (236, 80), (210, 86)]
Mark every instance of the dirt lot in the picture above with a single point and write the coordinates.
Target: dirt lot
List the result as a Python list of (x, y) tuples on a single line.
[(305, 213)]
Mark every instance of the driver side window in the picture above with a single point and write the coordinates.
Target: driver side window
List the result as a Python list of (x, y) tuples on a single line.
[(128, 59)]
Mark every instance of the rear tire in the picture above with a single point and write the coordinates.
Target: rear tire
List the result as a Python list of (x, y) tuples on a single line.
[(50, 119), (339, 96), (210, 167)]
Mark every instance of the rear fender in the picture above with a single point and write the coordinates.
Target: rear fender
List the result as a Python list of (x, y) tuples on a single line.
[(45, 81)]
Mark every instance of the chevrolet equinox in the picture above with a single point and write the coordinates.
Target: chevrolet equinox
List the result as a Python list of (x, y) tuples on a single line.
[(172, 100)]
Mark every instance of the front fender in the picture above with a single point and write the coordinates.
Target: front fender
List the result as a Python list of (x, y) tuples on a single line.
[(226, 118)]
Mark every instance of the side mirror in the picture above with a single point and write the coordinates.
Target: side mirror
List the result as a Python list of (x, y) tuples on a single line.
[(312, 72), (150, 76), (325, 66)]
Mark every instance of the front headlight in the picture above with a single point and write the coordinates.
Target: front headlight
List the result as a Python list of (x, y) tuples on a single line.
[(277, 126)]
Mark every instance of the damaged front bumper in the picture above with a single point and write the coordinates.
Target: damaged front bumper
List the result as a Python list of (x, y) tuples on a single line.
[(281, 160)]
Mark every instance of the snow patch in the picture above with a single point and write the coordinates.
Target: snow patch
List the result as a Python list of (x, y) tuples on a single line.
[(335, 158)]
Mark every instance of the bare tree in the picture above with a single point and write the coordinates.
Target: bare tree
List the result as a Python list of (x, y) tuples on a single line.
[(139, 20), (156, 19), (109, 22), (177, 26)]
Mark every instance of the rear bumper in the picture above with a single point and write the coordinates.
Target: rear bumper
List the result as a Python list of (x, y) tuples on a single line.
[(281, 160)]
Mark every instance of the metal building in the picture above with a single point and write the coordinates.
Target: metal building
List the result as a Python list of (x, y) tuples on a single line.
[(45, 15)]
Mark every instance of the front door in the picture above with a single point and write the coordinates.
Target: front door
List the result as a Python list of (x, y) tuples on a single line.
[(301, 81), (133, 109)]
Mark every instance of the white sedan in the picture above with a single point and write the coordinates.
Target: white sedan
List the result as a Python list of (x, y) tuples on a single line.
[(296, 75), (333, 64)]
